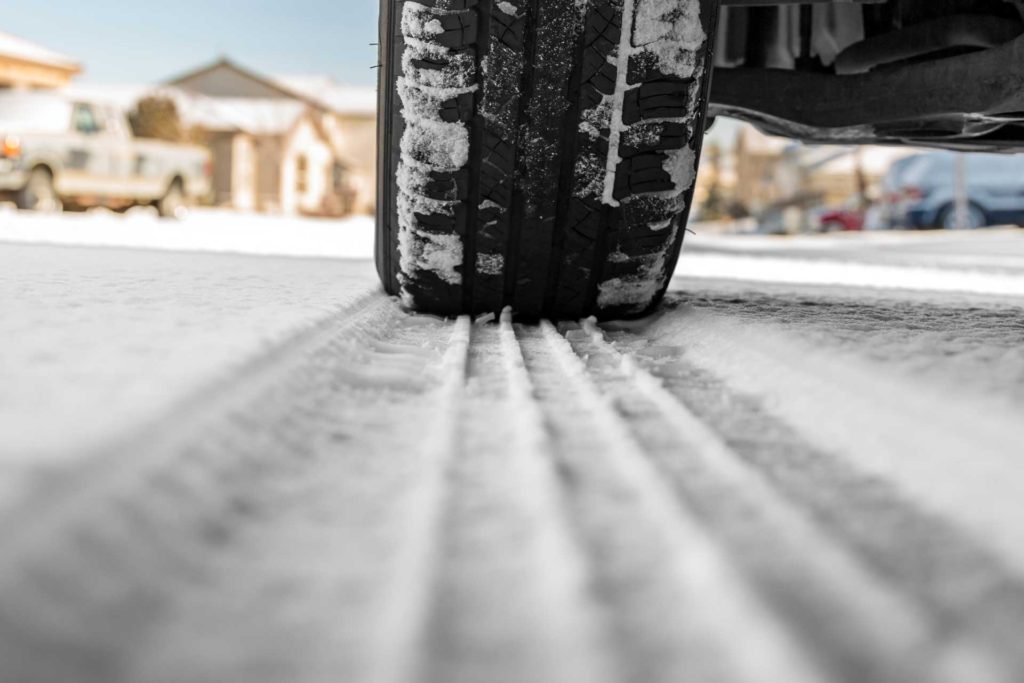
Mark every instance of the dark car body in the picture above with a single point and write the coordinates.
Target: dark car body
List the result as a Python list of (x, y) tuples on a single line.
[(921, 193)]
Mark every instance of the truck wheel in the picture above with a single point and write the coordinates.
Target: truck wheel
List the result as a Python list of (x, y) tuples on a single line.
[(539, 154), (173, 205), (39, 194)]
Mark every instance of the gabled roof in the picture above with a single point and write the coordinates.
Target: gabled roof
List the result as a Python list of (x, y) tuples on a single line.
[(321, 92), (225, 63), (27, 51), (350, 100)]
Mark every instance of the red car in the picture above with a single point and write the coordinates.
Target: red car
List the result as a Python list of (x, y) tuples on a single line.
[(841, 220)]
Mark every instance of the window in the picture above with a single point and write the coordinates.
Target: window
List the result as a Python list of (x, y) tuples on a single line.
[(301, 174), (86, 121)]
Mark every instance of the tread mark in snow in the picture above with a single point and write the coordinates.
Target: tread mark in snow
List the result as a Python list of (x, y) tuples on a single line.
[(827, 594), (173, 544), (678, 609), (511, 602)]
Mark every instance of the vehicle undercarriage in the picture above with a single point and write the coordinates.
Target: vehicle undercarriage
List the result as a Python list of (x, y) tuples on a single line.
[(946, 73)]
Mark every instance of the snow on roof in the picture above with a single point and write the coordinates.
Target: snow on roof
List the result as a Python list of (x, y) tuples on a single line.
[(19, 48), (342, 99), (122, 95), (251, 115)]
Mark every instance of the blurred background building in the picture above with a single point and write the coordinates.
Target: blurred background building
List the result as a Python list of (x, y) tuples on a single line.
[(293, 145), (306, 146), (23, 64), (299, 144)]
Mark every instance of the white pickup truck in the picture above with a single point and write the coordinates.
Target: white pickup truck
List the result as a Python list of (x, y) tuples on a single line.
[(57, 151)]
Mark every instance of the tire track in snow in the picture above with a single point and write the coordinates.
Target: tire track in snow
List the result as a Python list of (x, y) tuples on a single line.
[(228, 546), (678, 609), (962, 585), (894, 427), (511, 602), (822, 591)]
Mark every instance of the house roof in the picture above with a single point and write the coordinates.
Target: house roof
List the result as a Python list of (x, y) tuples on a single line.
[(27, 51), (256, 116), (250, 115), (322, 92), (225, 63), (342, 99), (122, 95)]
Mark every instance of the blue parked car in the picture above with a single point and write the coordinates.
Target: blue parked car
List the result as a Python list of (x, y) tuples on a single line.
[(920, 191)]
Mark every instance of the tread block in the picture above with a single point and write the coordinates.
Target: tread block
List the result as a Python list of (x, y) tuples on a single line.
[(447, 186), (453, 30), (442, 224), (642, 174), (656, 100), (509, 30), (654, 136), (458, 109)]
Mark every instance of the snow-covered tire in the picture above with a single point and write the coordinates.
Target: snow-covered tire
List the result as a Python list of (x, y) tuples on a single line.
[(539, 154)]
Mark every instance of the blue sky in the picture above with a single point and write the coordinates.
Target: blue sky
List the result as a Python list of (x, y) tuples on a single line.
[(122, 41)]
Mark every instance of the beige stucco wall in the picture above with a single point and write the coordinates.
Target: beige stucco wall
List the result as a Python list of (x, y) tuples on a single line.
[(268, 176), (304, 141), (222, 148), (355, 139), (243, 173)]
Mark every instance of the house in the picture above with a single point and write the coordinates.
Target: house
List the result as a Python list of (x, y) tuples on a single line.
[(295, 145), (25, 65), (760, 169)]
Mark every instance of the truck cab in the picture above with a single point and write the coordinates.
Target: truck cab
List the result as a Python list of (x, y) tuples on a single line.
[(57, 151)]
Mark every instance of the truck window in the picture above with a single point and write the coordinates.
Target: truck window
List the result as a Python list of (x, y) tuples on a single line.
[(86, 121)]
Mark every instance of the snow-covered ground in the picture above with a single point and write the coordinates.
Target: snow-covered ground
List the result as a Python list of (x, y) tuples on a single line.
[(201, 230), (255, 467)]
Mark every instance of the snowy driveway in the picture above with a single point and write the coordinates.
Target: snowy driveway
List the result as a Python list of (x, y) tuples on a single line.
[(240, 467)]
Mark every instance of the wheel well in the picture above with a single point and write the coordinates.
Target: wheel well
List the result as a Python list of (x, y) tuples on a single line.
[(43, 167), (177, 180)]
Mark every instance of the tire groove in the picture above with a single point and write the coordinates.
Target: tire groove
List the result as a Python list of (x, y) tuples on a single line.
[(519, 198), (469, 256), (566, 184)]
